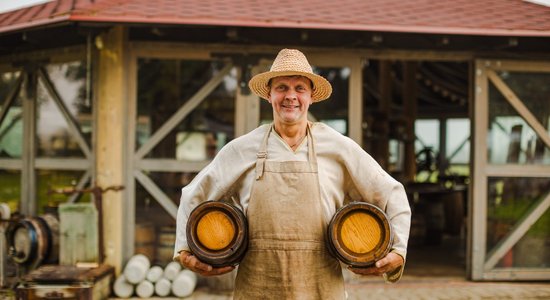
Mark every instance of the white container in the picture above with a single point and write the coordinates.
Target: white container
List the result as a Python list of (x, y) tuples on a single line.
[(154, 274), (162, 287), (122, 288), (145, 289), (136, 268), (172, 270), (184, 284)]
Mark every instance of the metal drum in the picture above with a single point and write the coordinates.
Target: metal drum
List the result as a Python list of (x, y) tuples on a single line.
[(34, 241), (359, 234), (217, 233)]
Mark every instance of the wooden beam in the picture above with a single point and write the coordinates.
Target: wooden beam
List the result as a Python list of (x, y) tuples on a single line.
[(381, 122), (410, 108), (111, 135), (479, 179)]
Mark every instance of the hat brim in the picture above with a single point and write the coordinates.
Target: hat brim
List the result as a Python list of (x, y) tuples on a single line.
[(321, 87)]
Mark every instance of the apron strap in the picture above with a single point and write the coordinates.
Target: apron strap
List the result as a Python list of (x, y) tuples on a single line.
[(311, 154), (262, 153)]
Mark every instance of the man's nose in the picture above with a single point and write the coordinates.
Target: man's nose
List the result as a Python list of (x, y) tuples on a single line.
[(290, 94)]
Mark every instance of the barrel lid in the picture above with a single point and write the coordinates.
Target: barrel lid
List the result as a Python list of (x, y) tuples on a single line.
[(221, 246), (360, 234)]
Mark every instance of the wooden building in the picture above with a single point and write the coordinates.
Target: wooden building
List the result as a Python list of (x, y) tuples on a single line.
[(454, 94)]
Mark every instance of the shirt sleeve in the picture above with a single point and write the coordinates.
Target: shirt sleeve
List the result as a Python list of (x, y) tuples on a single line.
[(370, 183), (214, 182)]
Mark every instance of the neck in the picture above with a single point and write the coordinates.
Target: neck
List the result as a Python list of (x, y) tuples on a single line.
[(292, 134), (291, 131)]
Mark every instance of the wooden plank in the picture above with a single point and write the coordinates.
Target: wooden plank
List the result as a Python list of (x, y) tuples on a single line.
[(517, 232), (78, 233), (176, 49), (62, 163), (51, 55), (10, 98), (479, 178), (519, 65), (11, 164), (381, 122), (517, 274), (355, 101), (410, 108), (128, 242), (28, 176), (170, 165), (247, 111), (182, 112), (518, 105)]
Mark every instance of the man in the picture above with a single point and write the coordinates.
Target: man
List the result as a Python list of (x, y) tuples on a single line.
[(289, 178)]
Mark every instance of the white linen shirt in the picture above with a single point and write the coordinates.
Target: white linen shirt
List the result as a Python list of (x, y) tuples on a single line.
[(346, 173)]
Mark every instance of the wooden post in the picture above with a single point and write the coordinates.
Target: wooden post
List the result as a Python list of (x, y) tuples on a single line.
[(410, 107), (381, 123), (111, 135)]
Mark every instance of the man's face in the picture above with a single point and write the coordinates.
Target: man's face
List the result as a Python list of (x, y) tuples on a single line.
[(290, 97)]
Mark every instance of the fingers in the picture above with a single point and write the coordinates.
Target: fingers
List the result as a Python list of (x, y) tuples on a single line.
[(387, 264), (192, 263)]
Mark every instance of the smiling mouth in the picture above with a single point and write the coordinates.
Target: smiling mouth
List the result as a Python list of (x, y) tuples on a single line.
[(290, 106)]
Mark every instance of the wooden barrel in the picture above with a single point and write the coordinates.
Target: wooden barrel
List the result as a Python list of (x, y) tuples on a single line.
[(217, 233), (165, 244), (144, 238), (34, 241), (360, 234)]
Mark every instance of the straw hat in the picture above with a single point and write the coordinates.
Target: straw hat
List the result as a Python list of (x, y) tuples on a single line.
[(291, 62)]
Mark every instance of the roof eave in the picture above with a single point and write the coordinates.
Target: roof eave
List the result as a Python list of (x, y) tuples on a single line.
[(277, 24), (34, 24), (314, 25)]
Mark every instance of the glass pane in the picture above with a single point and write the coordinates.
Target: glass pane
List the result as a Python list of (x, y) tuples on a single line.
[(534, 91), (334, 110), (11, 128), (11, 131), (69, 80), (10, 188), (458, 141), (511, 139), (152, 218), (54, 137), (7, 82), (49, 180), (426, 147), (164, 86), (509, 199)]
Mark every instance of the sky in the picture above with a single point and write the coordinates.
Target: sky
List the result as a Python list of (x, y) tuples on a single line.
[(10, 5)]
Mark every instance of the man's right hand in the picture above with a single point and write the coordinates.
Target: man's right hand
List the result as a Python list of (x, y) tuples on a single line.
[(191, 262)]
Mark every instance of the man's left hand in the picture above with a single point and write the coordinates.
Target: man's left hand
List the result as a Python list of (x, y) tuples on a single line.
[(389, 263)]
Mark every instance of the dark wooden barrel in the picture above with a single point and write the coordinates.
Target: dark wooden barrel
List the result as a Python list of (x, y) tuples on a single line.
[(34, 241), (217, 233), (359, 234)]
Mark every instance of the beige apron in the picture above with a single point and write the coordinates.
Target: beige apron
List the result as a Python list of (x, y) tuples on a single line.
[(287, 256)]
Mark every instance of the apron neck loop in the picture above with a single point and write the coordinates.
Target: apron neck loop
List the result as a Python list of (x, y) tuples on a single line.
[(312, 156), (262, 154)]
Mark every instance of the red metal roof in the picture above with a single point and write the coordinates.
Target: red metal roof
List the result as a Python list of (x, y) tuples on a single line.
[(472, 17)]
